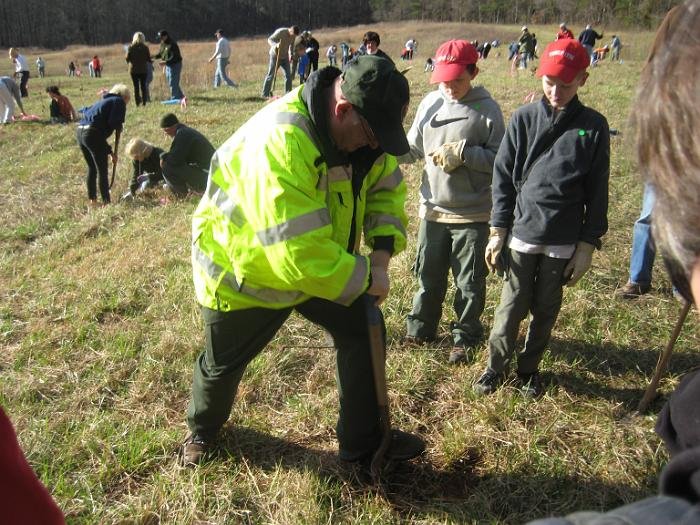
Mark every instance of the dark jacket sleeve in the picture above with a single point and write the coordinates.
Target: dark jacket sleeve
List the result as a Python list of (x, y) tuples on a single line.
[(177, 156), (133, 185), (117, 114), (175, 55), (595, 222), (502, 189)]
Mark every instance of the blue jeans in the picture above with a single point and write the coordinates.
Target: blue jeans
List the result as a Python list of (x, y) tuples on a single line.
[(643, 249), (220, 74), (172, 74), (284, 64), (523, 60)]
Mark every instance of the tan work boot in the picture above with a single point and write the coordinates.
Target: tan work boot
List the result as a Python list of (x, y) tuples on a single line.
[(632, 290), (193, 450)]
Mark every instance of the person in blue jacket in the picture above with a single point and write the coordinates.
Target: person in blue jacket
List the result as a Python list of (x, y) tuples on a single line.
[(99, 121)]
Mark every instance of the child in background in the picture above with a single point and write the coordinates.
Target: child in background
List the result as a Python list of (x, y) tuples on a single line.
[(550, 202), (300, 50), (61, 110), (331, 54)]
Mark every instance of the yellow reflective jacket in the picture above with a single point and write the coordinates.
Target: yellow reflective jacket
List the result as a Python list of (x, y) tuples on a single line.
[(273, 228)]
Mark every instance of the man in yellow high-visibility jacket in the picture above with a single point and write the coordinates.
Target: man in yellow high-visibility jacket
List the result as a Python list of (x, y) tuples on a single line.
[(289, 196)]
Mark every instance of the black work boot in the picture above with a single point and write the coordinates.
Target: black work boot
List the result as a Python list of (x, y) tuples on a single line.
[(531, 384), (489, 382), (403, 446)]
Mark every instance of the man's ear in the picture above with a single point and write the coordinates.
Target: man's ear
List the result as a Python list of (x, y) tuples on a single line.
[(342, 108), (583, 79)]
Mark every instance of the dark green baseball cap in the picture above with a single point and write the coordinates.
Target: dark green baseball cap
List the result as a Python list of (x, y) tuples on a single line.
[(380, 94)]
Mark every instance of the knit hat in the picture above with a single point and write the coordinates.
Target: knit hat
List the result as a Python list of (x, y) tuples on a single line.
[(380, 94), (564, 59), (452, 59), (168, 120)]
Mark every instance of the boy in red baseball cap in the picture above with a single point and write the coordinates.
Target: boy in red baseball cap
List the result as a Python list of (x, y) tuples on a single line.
[(457, 130), (550, 202)]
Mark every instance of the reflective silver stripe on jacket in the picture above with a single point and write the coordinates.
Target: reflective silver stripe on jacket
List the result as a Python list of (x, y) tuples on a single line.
[(334, 174), (225, 204), (268, 295), (300, 121), (356, 283), (376, 220), (389, 182), (294, 227)]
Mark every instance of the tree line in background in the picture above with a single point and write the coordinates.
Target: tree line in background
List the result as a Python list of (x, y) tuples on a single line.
[(60, 23), (622, 13)]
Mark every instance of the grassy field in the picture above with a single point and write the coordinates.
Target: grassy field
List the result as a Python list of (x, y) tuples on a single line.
[(99, 330)]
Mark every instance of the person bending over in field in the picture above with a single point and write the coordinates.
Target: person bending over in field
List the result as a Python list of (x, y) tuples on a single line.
[(289, 197), (146, 171), (186, 165), (61, 110)]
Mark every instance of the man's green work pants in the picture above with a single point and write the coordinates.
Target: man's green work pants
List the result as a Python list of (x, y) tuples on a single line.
[(233, 339)]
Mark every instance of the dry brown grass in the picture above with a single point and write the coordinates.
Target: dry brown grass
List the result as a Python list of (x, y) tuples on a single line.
[(99, 330)]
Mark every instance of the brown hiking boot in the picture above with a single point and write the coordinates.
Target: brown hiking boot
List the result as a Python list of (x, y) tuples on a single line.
[(633, 290), (461, 354), (193, 450), (414, 340)]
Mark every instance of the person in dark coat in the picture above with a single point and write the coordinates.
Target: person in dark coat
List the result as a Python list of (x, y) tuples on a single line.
[(588, 37), (146, 170), (186, 165), (670, 162), (170, 57), (139, 56)]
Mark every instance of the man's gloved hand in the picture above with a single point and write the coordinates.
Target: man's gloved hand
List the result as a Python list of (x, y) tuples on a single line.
[(579, 264), (497, 238), (380, 284), (380, 258), (449, 156)]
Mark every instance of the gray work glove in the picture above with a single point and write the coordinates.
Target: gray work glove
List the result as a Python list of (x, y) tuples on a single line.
[(579, 263), (497, 239), (449, 156)]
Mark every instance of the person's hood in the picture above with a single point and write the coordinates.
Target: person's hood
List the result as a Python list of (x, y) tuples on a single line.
[(475, 94)]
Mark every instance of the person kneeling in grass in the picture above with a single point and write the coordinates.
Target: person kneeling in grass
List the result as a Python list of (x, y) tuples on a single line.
[(146, 170), (60, 110), (186, 165), (550, 202)]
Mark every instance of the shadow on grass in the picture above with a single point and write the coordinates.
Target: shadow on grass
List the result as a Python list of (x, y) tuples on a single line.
[(614, 361), (422, 489)]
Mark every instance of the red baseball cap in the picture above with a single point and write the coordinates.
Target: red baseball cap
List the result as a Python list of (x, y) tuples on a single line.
[(451, 59), (564, 59)]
